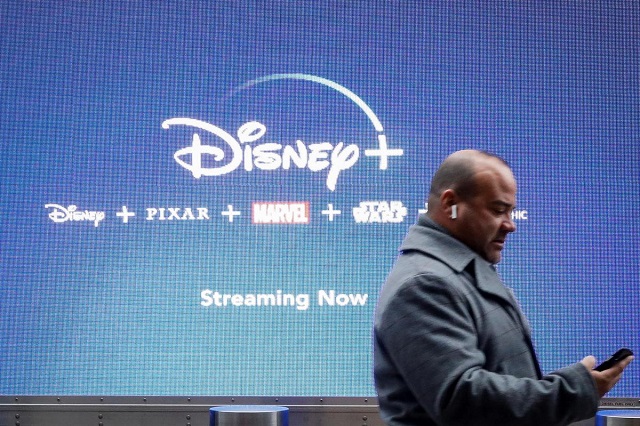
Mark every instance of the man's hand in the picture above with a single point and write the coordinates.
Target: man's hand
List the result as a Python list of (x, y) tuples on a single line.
[(606, 379)]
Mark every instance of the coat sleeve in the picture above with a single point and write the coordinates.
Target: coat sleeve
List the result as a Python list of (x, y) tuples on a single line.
[(431, 337)]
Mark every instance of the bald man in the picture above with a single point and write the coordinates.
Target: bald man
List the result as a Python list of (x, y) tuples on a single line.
[(451, 346)]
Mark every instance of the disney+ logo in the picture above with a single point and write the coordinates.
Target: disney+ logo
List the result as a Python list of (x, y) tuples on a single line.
[(202, 160)]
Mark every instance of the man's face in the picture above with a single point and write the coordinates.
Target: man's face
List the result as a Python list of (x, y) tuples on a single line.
[(485, 220)]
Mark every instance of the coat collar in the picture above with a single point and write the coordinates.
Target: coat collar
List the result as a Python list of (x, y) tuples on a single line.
[(432, 239)]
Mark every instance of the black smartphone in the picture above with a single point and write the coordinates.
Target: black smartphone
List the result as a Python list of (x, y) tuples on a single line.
[(614, 359)]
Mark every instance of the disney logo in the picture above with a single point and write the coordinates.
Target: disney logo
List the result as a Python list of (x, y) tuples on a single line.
[(265, 156), (61, 214)]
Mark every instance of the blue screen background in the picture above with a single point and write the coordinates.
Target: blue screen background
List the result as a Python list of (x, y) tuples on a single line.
[(116, 309)]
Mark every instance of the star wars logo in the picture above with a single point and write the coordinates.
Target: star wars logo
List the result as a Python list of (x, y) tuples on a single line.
[(380, 212)]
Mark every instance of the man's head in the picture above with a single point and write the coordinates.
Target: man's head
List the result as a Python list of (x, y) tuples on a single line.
[(472, 195)]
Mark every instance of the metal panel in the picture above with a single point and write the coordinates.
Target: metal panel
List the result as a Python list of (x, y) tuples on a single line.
[(171, 411), (194, 411)]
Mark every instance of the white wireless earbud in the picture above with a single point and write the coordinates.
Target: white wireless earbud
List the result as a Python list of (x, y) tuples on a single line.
[(454, 211)]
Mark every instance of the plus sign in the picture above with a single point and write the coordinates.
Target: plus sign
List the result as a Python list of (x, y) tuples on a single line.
[(425, 210), (331, 212), (125, 214), (230, 212), (383, 152)]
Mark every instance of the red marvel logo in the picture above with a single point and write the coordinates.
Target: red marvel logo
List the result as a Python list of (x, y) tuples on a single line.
[(280, 213)]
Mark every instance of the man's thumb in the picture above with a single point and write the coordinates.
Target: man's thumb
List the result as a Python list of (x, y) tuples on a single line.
[(589, 362)]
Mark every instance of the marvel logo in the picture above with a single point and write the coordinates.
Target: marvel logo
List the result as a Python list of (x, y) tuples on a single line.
[(280, 213)]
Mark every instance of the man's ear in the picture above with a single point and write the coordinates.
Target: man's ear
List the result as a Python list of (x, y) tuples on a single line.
[(449, 203)]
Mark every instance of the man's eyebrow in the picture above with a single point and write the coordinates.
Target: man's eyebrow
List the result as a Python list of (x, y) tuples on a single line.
[(502, 204)]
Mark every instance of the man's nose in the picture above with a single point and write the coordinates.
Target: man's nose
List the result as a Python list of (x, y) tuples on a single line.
[(509, 225)]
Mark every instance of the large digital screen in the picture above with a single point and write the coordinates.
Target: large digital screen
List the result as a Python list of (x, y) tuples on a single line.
[(204, 198)]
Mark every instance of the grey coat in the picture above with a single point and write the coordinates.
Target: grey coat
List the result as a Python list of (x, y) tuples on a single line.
[(451, 346)]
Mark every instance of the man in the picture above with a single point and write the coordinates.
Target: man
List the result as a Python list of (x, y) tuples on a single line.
[(451, 346)]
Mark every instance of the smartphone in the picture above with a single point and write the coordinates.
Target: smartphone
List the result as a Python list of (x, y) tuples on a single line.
[(614, 359)]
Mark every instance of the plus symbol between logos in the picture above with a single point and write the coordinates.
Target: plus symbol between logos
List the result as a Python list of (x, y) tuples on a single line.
[(125, 214), (383, 152), (230, 212), (331, 212)]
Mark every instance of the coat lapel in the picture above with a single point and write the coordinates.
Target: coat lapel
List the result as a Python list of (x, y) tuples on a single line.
[(488, 281)]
